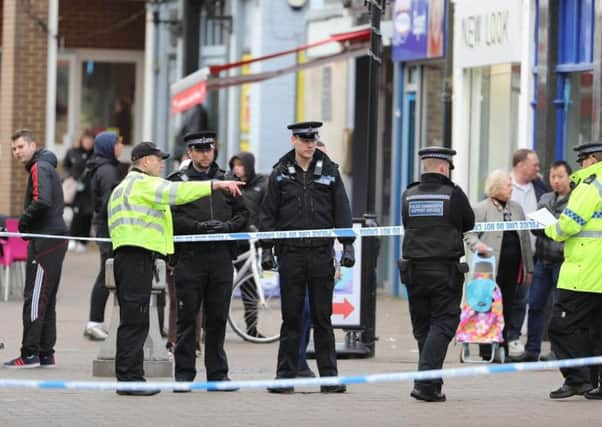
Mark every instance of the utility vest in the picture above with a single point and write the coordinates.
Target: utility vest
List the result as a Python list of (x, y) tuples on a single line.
[(139, 213), (429, 234)]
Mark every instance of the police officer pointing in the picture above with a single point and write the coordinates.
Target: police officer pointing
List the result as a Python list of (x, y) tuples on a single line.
[(140, 226), (436, 213), (578, 310), (306, 192)]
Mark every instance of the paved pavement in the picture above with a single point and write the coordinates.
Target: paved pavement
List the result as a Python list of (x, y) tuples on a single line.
[(507, 399)]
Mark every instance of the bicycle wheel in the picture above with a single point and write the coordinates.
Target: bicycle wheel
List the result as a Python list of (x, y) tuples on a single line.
[(248, 315)]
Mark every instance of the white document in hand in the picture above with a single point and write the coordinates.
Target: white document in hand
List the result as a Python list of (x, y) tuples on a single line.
[(543, 216)]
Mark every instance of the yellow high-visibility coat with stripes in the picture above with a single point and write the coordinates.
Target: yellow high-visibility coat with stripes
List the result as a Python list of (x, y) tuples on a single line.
[(580, 228), (139, 213)]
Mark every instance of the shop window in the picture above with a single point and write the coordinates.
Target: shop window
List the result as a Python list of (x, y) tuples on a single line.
[(575, 31), (493, 122), (62, 101), (578, 105), (107, 97)]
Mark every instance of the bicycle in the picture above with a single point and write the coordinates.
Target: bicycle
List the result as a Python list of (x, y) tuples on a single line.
[(255, 302)]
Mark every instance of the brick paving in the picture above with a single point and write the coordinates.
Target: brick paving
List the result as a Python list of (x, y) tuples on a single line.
[(509, 399)]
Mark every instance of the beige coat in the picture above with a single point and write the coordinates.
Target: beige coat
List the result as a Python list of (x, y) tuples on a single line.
[(489, 210)]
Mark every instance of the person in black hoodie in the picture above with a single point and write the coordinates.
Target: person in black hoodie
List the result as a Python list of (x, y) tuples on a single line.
[(74, 166), (203, 270), (103, 169), (242, 166), (43, 214)]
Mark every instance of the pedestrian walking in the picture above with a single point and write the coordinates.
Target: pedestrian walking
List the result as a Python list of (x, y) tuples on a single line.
[(549, 257), (305, 192), (141, 230), (103, 169), (511, 249), (435, 214), (203, 270), (527, 189), (578, 309), (74, 166), (43, 214)]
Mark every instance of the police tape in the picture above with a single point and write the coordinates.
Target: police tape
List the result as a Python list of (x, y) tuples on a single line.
[(395, 230), (392, 377)]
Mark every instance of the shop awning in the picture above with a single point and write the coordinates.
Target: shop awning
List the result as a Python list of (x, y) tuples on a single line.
[(192, 90)]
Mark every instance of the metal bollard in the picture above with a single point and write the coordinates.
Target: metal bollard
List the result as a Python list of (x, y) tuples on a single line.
[(156, 357)]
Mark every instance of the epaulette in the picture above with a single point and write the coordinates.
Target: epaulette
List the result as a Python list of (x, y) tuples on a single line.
[(177, 176), (414, 184), (589, 179)]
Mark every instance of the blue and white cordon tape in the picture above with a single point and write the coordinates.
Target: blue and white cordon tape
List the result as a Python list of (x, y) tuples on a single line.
[(395, 230), (392, 377)]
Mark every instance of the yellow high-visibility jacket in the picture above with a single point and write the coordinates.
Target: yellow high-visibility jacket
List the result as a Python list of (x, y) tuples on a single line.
[(580, 228), (139, 213)]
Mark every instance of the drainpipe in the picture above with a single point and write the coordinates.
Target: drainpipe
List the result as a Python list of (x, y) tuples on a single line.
[(53, 24)]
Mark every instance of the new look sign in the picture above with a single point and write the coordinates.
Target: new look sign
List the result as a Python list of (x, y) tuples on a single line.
[(487, 32)]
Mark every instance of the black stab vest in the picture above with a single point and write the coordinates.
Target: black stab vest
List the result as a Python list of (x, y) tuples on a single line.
[(430, 234)]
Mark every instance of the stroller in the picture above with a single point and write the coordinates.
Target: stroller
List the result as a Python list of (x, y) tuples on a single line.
[(482, 315)]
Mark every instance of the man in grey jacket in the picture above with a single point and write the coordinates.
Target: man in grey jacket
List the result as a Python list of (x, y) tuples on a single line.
[(549, 255)]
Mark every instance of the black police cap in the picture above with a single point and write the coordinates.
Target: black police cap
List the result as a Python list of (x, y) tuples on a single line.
[(144, 149), (588, 148), (305, 130), (435, 152), (204, 139)]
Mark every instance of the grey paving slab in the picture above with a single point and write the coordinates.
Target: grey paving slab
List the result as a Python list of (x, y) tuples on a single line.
[(509, 400)]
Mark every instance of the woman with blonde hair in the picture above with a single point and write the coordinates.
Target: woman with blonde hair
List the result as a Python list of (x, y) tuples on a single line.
[(512, 249)]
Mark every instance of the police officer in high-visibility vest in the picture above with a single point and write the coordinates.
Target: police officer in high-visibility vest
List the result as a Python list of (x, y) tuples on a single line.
[(435, 214), (140, 226), (578, 310)]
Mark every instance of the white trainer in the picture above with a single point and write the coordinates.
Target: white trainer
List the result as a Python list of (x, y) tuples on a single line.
[(515, 348), (95, 333)]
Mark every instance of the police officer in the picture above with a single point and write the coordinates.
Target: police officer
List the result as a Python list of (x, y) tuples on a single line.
[(436, 213), (578, 310), (140, 226), (305, 191), (204, 271)]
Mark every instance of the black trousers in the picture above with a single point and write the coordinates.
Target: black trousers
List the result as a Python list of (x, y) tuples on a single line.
[(434, 295), (134, 269), (575, 331), (80, 224), (203, 276), (100, 293), (43, 274), (301, 269)]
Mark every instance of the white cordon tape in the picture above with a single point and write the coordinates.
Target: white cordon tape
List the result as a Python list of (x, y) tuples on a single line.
[(305, 382), (395, 230)]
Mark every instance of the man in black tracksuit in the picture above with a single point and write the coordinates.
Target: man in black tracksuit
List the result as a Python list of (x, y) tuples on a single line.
[(242, 166), (306, 192), (435, 214), (43, 215), (203, 270)]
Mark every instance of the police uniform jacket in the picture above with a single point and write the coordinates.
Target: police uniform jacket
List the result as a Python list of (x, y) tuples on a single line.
[(580, 228), (435, 214), (305, 200), (221, 206)]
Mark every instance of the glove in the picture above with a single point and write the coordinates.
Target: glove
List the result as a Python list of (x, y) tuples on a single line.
[(268, 262), (348, 256), (212, 226)]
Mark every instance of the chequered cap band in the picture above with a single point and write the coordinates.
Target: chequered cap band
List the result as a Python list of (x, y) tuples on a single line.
[(205, 140)]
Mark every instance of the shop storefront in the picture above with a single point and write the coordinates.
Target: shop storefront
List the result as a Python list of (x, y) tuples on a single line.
[(492, 87), (418, 53)]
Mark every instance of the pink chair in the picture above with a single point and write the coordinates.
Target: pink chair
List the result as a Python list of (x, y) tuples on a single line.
[(14, 249)]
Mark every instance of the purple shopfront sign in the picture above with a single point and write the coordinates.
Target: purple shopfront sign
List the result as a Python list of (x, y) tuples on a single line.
[(418, 29)]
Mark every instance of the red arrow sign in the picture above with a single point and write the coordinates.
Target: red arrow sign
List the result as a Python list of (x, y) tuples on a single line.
[(345, 308)]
